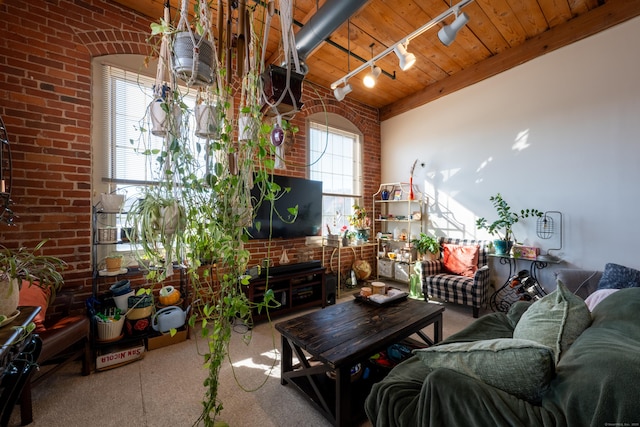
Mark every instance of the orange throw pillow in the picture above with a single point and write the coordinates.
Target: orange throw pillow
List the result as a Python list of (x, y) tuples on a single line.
[(460, 259), (35, 296)]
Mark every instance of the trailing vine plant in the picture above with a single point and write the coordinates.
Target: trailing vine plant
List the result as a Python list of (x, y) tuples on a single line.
[(207, 184)]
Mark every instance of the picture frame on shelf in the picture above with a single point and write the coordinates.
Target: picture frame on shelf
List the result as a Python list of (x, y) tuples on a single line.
[(397, 194)]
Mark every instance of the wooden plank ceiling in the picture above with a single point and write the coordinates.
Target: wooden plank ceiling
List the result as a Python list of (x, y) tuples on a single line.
[(500, 34)]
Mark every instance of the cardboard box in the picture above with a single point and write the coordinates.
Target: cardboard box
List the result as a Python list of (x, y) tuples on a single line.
[(333, 241), (118, 358), (525, 251), (158, 341)]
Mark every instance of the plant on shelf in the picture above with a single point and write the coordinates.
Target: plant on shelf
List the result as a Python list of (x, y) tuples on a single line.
[(427, 246), (359, 219), (22, 264), (502, 227), (360, 222)]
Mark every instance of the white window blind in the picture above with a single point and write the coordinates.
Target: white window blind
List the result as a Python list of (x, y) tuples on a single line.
[(339, 167), (127, 96)]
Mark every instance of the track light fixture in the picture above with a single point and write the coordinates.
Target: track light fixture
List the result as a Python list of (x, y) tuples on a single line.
[(406, 59), (342, 91), (371, 78), (448, 33)]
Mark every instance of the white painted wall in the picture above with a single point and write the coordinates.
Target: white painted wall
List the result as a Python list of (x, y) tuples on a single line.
[(559, 133)]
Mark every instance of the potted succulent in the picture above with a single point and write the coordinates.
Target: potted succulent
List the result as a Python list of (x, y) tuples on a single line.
[(22, 264), (502, 227), (427, 246)]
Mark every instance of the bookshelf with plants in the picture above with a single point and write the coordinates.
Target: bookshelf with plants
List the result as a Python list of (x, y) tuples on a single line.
[(399, 211), (112, 333)]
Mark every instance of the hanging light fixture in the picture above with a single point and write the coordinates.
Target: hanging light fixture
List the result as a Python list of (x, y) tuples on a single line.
[(448, 33), (406, 59), (400, 48), (371, 78)]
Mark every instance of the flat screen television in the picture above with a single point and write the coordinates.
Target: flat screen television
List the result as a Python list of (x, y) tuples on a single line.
[(304, 193)]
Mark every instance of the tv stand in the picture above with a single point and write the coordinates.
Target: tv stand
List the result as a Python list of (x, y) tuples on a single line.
[(295, 289)]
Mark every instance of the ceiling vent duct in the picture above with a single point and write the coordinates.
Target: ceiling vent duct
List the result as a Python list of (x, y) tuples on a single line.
[(321, 25)]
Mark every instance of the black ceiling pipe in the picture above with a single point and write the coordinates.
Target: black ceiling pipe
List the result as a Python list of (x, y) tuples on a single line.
[(321, 25)]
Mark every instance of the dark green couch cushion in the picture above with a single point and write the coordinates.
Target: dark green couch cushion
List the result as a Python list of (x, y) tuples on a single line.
[(597, 380), (522, 368), (555, 320)]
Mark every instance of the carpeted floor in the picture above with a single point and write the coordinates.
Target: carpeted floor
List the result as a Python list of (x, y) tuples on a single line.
[(165, 388)]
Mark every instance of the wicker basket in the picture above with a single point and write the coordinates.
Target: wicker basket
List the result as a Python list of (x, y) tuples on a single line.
[(108, 331)]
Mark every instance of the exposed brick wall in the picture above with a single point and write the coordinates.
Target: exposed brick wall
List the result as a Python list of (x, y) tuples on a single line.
[(45, 101)]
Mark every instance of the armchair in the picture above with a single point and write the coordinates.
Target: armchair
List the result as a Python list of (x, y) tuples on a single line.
[(440, 283), (64, 338)]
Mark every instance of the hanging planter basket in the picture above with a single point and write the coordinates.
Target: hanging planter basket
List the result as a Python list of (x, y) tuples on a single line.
[(207, 121), (246, 128), (193, 59), (160, 120)]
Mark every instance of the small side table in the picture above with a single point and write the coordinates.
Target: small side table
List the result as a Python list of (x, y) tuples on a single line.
[(505, 296), (19, 351)]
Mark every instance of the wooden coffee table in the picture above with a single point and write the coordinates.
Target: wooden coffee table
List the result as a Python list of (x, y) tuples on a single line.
[(337, 338)]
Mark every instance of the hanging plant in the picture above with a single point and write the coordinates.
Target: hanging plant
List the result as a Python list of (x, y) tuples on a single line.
[(208, 183)]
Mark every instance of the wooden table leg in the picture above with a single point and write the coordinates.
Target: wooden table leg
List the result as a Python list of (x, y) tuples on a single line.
[(343, 396), (437, 329), (437, 332), (287, 359)]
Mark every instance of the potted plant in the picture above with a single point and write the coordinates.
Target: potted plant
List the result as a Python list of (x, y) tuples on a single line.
[(22, 264), (361, 222), (427, 246), (503, 226)]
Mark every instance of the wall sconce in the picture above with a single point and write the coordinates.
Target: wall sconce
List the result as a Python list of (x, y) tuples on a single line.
[(400, 48), (448, 33), (406, 59)]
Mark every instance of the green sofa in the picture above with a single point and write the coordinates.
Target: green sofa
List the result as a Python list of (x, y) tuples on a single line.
[(596, 382)]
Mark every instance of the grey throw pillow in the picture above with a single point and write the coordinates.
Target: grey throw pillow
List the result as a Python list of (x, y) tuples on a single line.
[(555, 320), (619, 277), (522, 368)]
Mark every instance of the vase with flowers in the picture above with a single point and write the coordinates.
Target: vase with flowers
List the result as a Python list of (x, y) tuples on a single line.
[(360, 222)]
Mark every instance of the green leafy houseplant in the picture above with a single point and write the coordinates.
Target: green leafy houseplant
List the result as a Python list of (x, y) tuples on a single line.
[(502, 227), (21, 264), (426, 245), (210, 180)]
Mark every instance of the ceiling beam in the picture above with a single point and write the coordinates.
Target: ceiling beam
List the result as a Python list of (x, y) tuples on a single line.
[(612, 13)]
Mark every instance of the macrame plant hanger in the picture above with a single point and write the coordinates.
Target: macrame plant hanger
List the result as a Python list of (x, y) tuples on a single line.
[(290, 56), (194, 52)]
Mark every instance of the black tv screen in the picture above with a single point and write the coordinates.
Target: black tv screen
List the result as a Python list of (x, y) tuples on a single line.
[(304, 193)]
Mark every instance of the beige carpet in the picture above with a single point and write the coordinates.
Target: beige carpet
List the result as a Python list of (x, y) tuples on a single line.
[(165, 387)]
